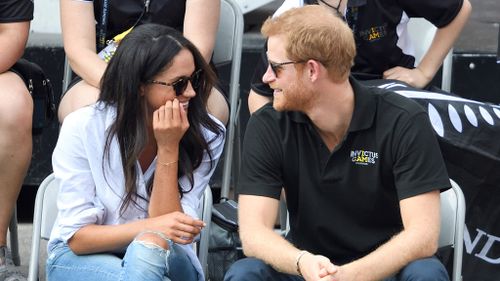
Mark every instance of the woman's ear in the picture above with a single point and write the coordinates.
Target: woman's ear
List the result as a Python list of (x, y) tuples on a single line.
[(142, 90)]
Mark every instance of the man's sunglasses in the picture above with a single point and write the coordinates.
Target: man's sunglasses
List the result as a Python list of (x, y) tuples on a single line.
[(276, 67), (181, 84)]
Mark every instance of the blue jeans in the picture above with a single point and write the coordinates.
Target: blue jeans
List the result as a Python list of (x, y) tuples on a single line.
[(251, 269), (142, 261)]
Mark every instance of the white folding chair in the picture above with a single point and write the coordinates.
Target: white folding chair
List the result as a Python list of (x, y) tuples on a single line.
[(452, 226), (422, 33), (228, 48), (205, 213), (44, 217), (45, 214)]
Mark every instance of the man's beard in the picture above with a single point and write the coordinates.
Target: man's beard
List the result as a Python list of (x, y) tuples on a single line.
[(295, 98)]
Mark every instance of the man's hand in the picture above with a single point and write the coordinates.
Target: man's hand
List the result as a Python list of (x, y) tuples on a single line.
[(316, 267)]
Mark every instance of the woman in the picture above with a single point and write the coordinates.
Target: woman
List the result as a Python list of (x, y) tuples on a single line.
[(86, 27), (134, 165)]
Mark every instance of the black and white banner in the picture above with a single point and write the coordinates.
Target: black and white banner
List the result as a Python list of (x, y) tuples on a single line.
[(469, 136)]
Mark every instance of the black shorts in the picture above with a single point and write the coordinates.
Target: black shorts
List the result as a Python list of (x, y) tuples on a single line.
[(40, 89)]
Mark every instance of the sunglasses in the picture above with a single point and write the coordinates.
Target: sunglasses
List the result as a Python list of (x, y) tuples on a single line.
[(276, 67), (181, 84)]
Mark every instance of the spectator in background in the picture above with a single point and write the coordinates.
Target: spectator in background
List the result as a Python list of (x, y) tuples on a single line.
[(382, 40), (83, 39), (16, 113)]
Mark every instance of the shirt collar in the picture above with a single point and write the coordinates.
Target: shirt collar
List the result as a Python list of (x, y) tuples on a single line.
[(364, 108)]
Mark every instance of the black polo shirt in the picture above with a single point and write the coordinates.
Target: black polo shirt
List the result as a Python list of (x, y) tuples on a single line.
[(16, 11), (344, 204), (379, 28)]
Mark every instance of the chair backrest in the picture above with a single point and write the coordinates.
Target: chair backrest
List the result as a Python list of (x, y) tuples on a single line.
[(422, 33), (44, 217), (452, 225), (228, 48), (205, 213)]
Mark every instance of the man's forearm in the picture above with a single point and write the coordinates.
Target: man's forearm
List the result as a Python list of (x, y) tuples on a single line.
[(389, 258), (272, 248)]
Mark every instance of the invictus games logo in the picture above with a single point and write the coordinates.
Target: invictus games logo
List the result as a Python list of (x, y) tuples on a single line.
[(374, 33), (364, 157)]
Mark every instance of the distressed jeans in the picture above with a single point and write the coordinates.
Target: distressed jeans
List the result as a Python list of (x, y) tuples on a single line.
[(142, 261)]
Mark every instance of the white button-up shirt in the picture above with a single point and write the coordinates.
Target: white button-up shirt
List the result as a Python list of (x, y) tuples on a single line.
[(91, 190)]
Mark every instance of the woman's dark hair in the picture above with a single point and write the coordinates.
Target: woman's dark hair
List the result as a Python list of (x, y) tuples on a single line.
[(148, 50)]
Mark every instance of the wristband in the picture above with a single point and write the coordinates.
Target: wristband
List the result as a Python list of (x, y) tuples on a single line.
[(297, 260)]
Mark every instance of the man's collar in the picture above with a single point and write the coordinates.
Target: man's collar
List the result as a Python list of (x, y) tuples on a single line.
[(364, 106)]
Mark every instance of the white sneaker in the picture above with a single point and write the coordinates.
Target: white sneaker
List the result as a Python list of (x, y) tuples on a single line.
[(3, 262), (7, 270)]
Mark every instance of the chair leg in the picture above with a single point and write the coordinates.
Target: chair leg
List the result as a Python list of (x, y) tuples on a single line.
[(14, 242)]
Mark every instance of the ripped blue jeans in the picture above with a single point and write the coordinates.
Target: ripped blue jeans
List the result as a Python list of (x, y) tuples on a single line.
[(142, 261)]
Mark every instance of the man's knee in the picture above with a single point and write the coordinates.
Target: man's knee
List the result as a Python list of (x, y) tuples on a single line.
[(249, 269), (428, 269)]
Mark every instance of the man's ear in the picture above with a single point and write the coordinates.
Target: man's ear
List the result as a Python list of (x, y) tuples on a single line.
[(314, 69)]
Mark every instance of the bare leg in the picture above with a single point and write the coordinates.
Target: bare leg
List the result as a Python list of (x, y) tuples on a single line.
[(16, 113), (217, 106), (256, 101), (78, 96)]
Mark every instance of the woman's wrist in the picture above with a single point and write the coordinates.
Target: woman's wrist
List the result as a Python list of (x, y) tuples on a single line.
[(167, 155)]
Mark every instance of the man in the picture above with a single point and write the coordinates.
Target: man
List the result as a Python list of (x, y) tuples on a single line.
[(361, 167), (16, 112), (384, 48)]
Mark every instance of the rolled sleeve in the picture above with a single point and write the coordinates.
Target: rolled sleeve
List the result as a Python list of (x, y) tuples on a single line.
[(77, 202)]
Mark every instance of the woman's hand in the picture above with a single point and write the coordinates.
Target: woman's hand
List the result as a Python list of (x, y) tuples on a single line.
[(414, 77), (170, 123), (177, 226)]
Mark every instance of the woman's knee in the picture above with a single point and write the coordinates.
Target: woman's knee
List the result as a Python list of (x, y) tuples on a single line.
[(78, 96), (217, 106), (16, 109), (153, 239)]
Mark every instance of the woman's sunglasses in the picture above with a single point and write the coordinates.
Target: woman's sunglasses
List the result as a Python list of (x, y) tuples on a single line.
[(181, 84)]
